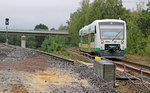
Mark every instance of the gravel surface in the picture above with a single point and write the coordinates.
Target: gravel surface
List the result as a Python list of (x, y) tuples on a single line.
[(15, 54), (97, 85), (26, 71)]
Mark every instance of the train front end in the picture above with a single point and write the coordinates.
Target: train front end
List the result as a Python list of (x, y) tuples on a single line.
[(113, 42)]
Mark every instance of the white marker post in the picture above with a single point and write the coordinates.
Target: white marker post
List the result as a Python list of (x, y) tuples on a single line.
[(7, 23)]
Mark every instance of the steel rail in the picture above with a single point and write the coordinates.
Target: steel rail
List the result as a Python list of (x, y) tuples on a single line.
[(55, 56), (129, 67), (136, 64)]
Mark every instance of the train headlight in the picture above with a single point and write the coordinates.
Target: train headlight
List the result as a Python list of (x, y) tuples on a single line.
[(102, 41), (122, 42)]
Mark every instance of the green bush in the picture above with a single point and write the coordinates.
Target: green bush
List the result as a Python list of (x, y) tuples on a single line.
[(52, 44), (30, 40)]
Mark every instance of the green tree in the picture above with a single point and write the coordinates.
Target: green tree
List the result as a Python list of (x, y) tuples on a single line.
[(53, 29), (39, 39), (135, 38), (14, 39), (62, 27), (52, 44), (77, 21), (143, 21), (147, 48), (41, 27), (2, 38)]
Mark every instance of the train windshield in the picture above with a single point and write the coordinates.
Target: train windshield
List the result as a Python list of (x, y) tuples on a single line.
[(112, 30)]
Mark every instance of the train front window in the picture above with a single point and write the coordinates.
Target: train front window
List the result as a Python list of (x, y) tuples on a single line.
[(112, 30)]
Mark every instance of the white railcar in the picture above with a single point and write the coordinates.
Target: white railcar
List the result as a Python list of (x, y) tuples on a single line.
[(106, 38)]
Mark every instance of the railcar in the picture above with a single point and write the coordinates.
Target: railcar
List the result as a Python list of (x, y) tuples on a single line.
[(105, 38)]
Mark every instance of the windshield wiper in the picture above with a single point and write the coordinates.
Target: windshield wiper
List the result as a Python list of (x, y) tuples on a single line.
[(116, 36)]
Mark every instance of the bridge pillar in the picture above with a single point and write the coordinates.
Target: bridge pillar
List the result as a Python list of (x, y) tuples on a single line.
[(23, 41)]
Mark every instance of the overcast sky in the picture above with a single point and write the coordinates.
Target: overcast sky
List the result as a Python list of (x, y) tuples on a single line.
[(25, 14)]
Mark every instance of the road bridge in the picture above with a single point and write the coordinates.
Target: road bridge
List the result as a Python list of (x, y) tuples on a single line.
[(37, 32), (25, 33)]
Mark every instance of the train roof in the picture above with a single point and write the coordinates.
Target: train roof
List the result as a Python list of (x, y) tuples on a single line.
[(108, 20), (103, 20)]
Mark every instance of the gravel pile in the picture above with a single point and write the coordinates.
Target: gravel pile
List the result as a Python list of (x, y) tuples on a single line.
[(15, 54), (97, 85), (4, 51)]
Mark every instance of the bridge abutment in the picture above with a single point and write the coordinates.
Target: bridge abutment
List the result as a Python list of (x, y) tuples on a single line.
[(23, 41)]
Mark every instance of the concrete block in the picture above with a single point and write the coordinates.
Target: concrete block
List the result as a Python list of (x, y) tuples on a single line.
[(105, 70)]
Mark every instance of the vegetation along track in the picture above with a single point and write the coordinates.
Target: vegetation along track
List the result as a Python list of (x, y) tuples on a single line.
[(38, 71)]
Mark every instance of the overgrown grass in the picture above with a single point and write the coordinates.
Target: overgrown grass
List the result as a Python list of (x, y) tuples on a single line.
[(64, 53)]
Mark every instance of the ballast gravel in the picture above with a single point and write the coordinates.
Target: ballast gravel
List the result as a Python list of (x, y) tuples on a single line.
[(97, 85), (15, 54), (25, 71)]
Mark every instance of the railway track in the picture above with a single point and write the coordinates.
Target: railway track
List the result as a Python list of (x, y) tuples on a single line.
[(123, 67), (145, 67), (135, 67), (56, 57)]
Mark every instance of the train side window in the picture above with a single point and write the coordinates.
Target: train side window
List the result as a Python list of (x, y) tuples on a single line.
[(83, 39), (95, 29), (80, 38), (92, 37), (86, 39)]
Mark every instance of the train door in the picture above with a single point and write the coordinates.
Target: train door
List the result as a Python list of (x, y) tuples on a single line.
[(95, 36)]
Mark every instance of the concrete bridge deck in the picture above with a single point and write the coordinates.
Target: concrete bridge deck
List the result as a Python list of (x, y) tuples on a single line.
[(37, 32)]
